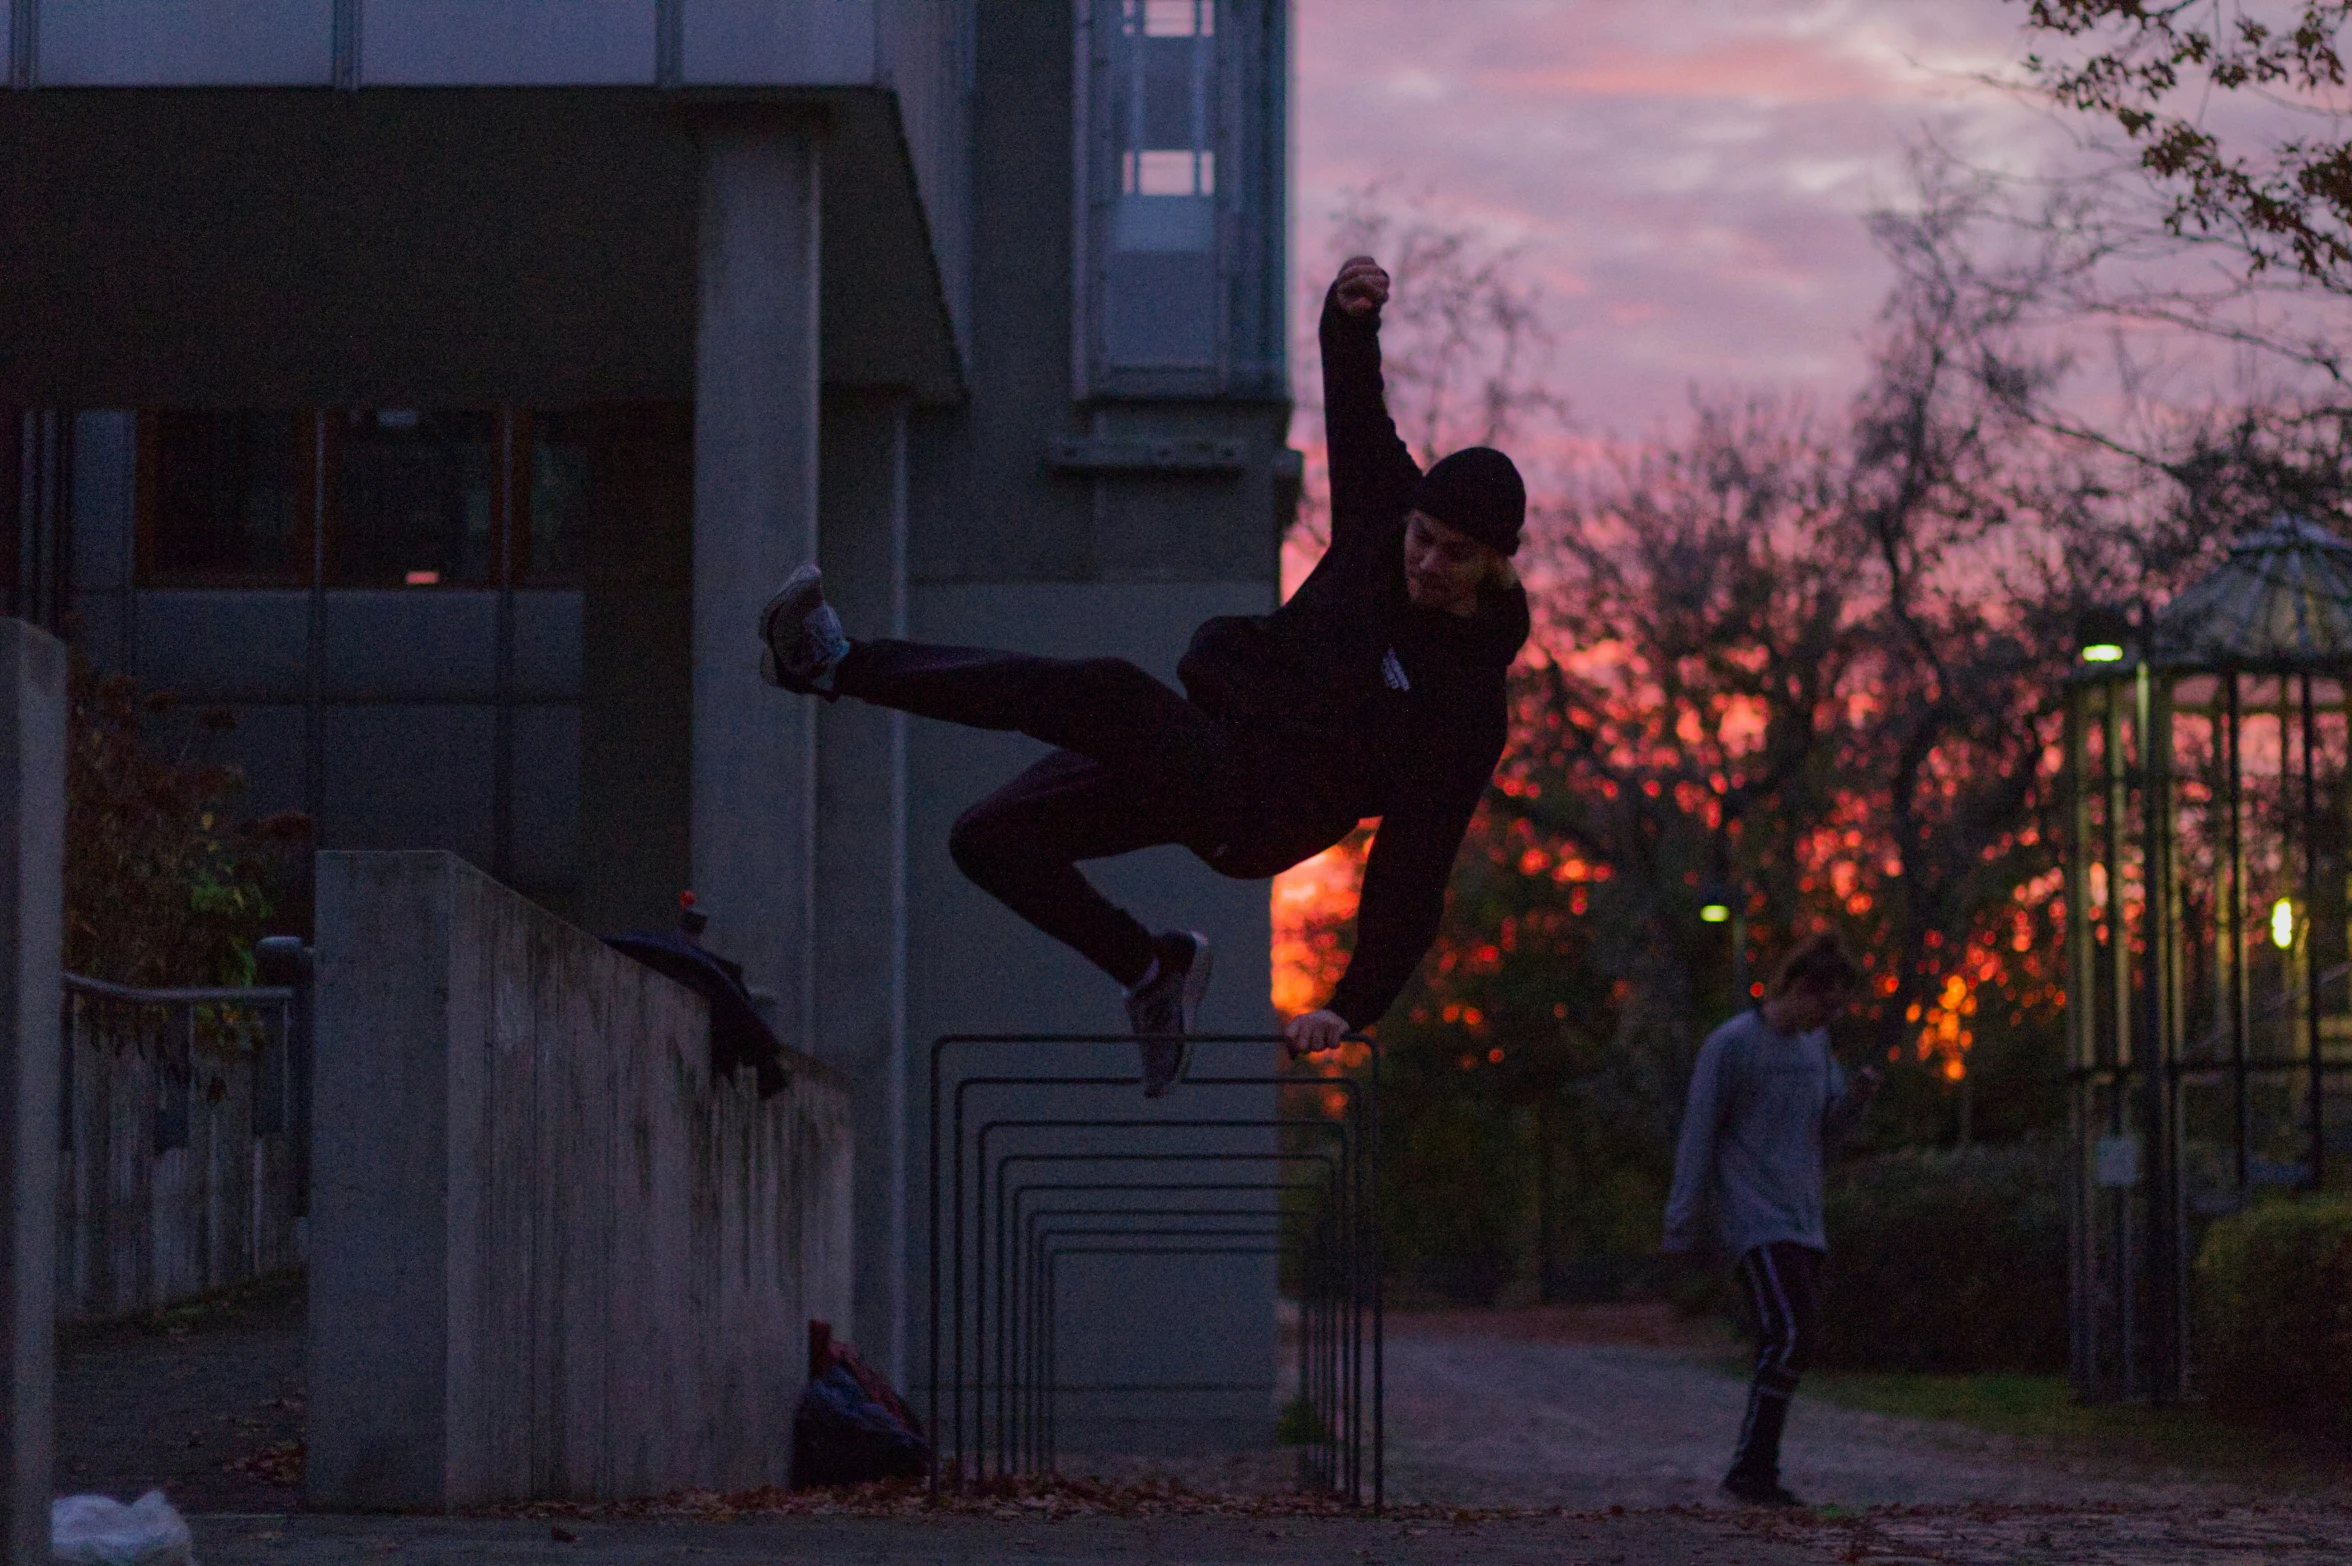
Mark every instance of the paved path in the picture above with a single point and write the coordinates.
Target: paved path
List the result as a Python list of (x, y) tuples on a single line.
[(1651, 1539), (1604, 1435), (1497, 1421)]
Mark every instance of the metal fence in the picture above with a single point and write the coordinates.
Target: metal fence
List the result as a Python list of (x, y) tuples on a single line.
[(1015, 1197), (183, 1138)]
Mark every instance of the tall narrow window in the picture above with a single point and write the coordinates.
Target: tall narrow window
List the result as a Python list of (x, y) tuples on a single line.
[(1161, 274), (557, 510), (1179, 168)]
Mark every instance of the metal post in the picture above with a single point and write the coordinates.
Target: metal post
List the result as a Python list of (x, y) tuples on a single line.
[(2240, 998), (284, 960), (2082, 1052), (2310, 956), (2119, 1042)]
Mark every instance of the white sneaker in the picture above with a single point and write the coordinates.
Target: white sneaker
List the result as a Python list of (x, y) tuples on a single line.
[(803, 635)]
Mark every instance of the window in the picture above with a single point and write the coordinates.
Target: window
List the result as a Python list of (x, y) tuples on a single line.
[(557, 513), (224, 497), (414, 497), (1180, 187)]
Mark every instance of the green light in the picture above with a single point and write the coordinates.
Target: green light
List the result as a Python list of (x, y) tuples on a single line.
[(2102, 652), (1714, 913)]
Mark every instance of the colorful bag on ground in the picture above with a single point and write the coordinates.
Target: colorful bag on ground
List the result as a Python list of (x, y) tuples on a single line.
[(852, 1426)]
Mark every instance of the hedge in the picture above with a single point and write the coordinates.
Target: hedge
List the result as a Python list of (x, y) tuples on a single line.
[(2274, 1312), (1946, 1260)]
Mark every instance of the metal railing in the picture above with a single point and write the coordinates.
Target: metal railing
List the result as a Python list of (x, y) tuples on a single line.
[(1015, 1197), (183, 1137)]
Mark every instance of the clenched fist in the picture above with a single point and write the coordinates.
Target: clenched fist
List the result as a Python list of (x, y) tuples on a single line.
[(1363, 287)]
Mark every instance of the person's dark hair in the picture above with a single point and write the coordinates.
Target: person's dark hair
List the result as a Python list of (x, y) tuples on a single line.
[(1818, 965)]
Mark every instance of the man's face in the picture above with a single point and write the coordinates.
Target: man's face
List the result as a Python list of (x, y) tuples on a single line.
[(1803, 1010), (1443, 564)]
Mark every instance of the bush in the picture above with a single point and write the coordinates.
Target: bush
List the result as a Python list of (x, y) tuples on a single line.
[(2274, 1308), (1947, 1261), (161, 887)]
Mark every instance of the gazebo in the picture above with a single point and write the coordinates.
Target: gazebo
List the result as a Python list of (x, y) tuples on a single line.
[(2209, 1007)]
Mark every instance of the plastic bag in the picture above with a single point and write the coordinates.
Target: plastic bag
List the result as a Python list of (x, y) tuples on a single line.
[(852, 1427), (98, 1530)]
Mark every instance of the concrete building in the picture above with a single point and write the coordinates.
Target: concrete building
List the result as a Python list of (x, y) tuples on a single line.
[(442, 386)]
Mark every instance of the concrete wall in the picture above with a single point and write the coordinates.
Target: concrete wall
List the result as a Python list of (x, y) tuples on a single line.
[(860, 951), (1005, 551), (141, 1224), (420, 247), (32, 901), (551, 1256), (1201, 1323)]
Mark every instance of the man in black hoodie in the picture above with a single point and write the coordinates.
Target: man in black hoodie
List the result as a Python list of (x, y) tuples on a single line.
[(1377, 690)]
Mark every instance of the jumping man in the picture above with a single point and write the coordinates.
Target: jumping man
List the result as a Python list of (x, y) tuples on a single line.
[(1766, 1100), (1377, 690)]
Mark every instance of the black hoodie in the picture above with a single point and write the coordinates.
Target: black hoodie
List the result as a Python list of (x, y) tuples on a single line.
[(1357, 703)]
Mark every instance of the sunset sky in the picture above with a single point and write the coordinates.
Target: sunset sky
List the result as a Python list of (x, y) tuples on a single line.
[(1688, 177)]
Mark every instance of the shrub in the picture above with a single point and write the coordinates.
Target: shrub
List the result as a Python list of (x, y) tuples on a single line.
[(1947, 1261), (2274, 1309), (161, 888)]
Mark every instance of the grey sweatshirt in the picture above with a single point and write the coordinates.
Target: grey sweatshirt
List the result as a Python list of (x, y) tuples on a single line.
[(1762, 1108)]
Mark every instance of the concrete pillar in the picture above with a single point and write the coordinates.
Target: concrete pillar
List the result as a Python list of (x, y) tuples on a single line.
[(637, 672), (32, 906), (755, 518), (861, 853)]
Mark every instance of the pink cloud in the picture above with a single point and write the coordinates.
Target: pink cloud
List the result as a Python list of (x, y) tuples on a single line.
[(1775, 71), (1687, 181)]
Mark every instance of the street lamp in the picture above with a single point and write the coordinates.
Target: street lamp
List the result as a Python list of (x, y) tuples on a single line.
[(2102, 635), (1720, 903)]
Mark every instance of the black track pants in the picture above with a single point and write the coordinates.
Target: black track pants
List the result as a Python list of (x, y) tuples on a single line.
[(1781, 1282), (1137, 765)]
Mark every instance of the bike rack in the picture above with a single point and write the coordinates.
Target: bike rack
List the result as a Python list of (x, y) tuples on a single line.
[(1011, 1197)]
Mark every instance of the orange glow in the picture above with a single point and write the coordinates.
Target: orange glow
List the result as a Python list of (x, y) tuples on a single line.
[(1312, 900)]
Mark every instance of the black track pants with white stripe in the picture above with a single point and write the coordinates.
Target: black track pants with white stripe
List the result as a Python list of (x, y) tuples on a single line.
[(1781, 1282)]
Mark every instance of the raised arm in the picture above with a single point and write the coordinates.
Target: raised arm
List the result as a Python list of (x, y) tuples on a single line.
[(1372, 472)]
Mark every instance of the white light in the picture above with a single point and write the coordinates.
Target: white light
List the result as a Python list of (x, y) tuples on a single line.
[(2282, 924)]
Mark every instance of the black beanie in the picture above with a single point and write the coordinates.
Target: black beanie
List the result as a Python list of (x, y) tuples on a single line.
[(1477, 490)]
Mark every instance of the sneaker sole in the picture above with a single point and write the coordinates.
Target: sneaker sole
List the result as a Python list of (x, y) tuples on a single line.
[(1196, 989)]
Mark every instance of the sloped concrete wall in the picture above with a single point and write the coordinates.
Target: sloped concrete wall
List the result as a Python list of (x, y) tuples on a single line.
[(551, 1256)]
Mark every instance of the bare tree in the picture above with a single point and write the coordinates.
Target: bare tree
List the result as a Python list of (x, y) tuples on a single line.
[(1465, 341)]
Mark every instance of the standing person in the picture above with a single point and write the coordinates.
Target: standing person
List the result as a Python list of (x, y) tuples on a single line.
[(1766, 1101), (1377, 690)]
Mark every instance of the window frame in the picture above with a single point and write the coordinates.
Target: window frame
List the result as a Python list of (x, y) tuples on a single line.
[(318, 510), (1251, 195), (146, 486)]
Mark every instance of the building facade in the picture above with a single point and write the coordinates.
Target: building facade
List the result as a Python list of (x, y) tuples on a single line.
[(442, 386)]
